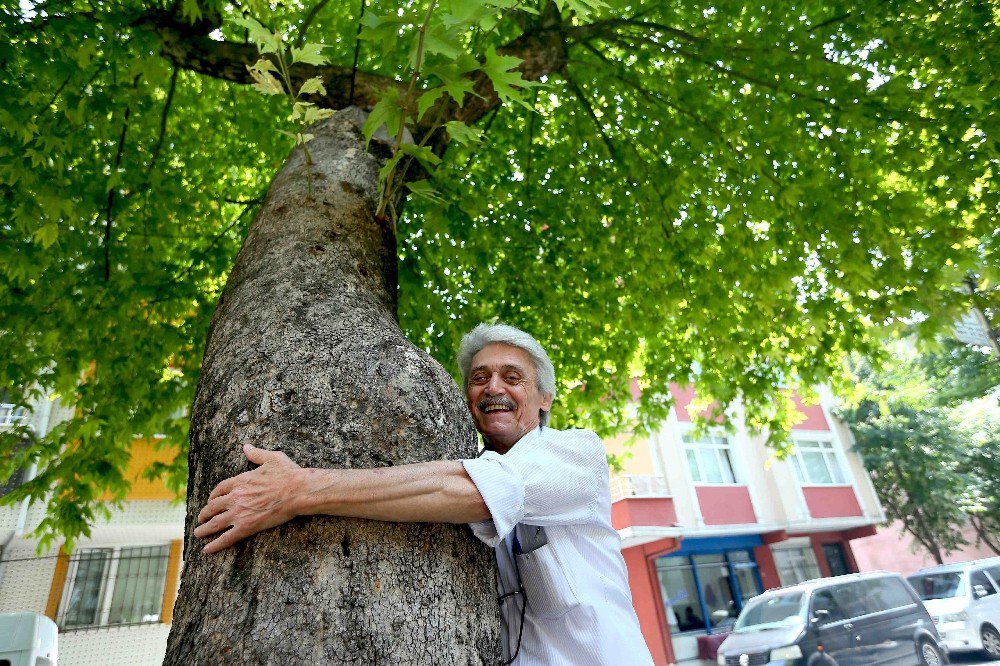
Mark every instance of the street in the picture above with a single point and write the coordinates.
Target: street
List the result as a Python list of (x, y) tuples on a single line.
[(973, 659)]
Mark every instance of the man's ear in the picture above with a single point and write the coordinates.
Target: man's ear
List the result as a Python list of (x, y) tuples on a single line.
[(547, 403)]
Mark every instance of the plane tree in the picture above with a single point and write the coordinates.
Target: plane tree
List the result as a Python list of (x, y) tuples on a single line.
[(730, 195)]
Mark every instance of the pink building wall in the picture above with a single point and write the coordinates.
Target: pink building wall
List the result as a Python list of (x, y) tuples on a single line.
[(888, 550), (831, 501), (725, 505)]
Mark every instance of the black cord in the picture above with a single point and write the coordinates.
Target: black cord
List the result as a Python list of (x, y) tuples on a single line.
[(524, 607)]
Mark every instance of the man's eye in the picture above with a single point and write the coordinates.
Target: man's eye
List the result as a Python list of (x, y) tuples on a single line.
[(513, 379), (479, 378)]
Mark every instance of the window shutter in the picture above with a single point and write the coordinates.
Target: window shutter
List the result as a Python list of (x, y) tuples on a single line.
[(170, 584), (58, 583)]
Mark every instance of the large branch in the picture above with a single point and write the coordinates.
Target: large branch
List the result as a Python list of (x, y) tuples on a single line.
[(189, 47), (542, 50)]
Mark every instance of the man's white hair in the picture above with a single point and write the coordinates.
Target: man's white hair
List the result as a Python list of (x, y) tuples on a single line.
[(488, 334)]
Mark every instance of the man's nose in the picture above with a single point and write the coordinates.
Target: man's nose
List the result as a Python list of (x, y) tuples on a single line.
[(495, 385)]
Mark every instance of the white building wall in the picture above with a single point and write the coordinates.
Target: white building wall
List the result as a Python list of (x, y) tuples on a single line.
[(141, 645), (26, 578)]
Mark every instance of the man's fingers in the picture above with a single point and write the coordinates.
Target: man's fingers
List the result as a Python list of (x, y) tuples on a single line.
[(227, 486), (216, 524), (213, 508), (257, 456), (225, 540)]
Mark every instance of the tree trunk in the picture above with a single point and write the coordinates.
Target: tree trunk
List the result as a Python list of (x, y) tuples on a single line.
[(305, 356), (983, 535)]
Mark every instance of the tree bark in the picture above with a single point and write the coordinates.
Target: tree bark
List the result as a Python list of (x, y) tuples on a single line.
[(305, 356), (979, 525)]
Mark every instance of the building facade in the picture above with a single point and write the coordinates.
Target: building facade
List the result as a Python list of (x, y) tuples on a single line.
[(709, 522), (706, 523), (112, 596)]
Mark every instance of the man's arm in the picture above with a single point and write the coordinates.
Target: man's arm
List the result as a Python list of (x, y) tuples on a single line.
[(279, 490)]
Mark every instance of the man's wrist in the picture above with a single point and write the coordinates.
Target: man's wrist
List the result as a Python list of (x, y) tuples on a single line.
[(312, 493)]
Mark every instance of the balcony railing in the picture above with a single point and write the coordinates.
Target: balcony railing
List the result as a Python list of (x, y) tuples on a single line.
[(638, 485), (11, 414)]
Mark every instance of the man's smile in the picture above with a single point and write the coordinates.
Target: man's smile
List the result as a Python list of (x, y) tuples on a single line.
[(491, 405)]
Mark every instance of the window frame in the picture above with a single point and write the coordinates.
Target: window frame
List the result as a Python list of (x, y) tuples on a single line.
[(987, 578), (736, 591), (108, 583), (810, 561), (722, 452), (833, 461)]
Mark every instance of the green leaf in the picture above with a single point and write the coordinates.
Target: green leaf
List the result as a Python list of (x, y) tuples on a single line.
[(422, 154), (454, 76), (310, 54), (389, 167), (508, 84), (313, 86), (315, 114), (386, 112), (424, 190), (462, 133), (427, 100), (265, 82), (47, 234), (265, 40), (442, 41)]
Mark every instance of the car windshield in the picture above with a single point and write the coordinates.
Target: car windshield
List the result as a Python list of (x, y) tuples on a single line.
[(939, 585), (776, 611)]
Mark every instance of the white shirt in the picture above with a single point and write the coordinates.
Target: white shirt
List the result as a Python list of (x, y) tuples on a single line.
[(579, 604)]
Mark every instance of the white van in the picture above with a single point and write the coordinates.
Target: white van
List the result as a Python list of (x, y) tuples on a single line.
[(964, 601), (28, 639)]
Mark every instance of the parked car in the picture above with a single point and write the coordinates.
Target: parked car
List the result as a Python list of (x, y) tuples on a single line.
[(853, 620), (964, 602)]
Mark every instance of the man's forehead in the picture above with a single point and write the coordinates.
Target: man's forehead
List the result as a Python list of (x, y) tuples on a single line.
[(498, 356)]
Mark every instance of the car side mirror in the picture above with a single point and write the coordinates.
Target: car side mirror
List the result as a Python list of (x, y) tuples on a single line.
[(979, 591)]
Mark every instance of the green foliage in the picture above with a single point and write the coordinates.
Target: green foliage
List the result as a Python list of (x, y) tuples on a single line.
[(745, 190), (933, 458)]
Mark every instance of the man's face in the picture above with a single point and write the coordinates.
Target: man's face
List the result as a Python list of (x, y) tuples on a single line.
[(503, 395)]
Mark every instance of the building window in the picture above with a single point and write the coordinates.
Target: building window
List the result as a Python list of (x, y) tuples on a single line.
[(815, 463), (795, 564), (710, 459), (10, 412), (113, 586), (706, 592)]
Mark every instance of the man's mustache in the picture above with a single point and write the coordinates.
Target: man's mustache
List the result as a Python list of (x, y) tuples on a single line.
[(500, 401)]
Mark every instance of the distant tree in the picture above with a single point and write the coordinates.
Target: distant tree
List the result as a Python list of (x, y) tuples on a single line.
[(959, 372), (933, 468), (980, 461)]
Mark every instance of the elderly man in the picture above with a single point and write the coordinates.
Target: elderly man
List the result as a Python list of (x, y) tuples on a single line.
[(539, 496)]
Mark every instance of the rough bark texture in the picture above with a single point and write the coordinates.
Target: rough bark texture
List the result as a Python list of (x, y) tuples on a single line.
[(305, 356)]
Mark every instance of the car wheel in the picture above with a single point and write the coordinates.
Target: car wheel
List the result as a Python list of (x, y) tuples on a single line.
[(991, 642), (930, 655)]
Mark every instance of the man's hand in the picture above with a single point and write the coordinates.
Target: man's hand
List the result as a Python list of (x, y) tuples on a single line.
[(279, 490), (253, 501)]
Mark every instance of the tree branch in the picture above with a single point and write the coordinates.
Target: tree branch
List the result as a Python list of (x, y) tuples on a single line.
[(830, 21), (310, 17), (163, 119), (111, 197), (612, 150), (189, 47), (608, 28), (357, 52)]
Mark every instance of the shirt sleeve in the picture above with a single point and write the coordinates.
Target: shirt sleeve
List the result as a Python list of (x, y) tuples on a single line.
[(550, 480)]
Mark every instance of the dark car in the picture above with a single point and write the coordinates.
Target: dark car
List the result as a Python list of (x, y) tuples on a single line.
[(855, 620)]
